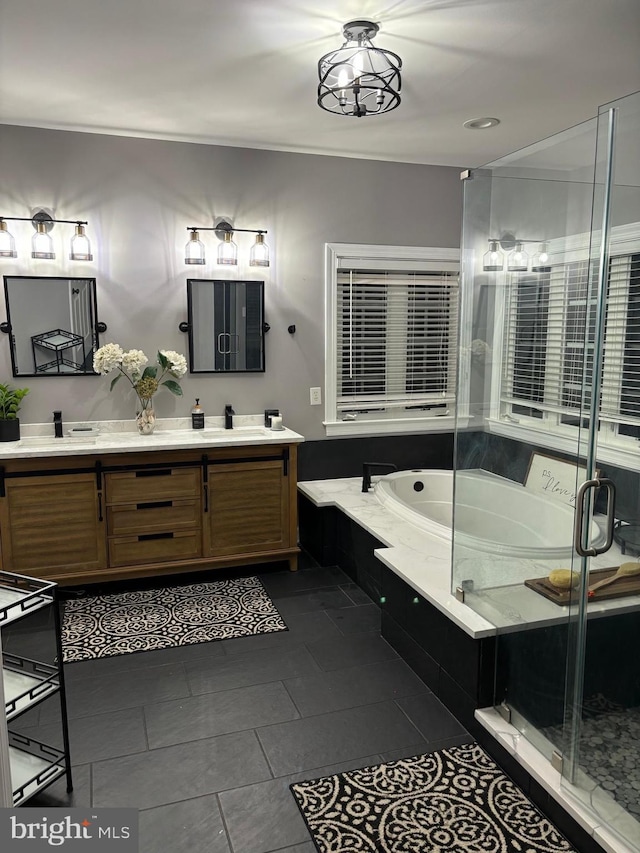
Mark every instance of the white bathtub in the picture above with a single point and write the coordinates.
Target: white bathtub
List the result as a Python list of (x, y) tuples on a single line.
[(493, 514)]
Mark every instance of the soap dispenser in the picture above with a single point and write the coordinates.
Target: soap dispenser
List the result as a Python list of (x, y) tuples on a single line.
[(197, 415)]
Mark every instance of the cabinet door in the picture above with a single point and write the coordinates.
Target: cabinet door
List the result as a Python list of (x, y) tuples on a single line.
[(53, 525), (247, 510)]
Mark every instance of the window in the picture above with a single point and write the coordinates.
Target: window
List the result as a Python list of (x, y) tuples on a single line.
[(548, 351), (392, 339)]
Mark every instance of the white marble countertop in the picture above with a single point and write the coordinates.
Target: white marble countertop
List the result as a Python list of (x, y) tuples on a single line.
[(424, 562), (37, 440)]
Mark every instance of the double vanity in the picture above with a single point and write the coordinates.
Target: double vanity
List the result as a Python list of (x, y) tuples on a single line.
[(119, 505)]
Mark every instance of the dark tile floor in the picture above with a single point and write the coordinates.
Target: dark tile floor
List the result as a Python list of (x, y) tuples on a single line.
[(206, 739)]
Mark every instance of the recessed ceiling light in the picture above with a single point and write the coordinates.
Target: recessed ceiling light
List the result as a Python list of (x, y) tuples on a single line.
[(483, 123)]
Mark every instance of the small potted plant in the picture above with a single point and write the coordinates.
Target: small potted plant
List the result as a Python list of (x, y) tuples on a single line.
[(10, 399)]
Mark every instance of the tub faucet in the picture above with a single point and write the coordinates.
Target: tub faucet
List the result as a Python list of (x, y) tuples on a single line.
[(228, 417), (57, 423), (367, 470)]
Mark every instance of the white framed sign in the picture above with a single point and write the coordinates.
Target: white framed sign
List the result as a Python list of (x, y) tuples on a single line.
[(554, 478)]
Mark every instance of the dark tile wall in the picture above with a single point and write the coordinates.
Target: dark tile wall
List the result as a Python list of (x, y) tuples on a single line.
[(343, 457)]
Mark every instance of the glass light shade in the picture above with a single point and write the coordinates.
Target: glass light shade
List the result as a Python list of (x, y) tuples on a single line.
[(194, 250), (42, 244), (227, 251), (259, 254), (541, 260), (7, 243), (359, 79), (518, 260), (80, 246), (493, 260)]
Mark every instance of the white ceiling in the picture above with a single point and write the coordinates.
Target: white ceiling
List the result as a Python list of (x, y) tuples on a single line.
[(244, 72)]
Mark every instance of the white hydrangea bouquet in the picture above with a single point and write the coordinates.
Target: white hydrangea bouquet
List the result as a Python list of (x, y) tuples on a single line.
[(146, 379)]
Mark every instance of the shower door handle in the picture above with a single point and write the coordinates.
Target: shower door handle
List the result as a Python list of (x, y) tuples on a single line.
[(578, 527)]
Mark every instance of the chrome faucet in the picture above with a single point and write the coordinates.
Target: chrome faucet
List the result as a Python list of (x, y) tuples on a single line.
[(228, 417), (367, 470), (57, 423)]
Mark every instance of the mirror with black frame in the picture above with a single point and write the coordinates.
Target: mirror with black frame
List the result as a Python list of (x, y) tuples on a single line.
[(52, 325), (226, 326)]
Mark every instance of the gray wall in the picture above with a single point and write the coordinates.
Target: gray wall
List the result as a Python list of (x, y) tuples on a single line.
[(139, 196)]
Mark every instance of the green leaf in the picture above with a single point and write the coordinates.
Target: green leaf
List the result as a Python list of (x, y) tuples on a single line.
[(163, 361), (173, 387), (114, 380), (149, 371)]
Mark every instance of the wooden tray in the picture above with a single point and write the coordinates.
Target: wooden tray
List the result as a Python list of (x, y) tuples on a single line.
[(619, 589)]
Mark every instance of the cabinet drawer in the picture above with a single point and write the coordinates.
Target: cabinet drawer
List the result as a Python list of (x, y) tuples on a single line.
[(154, 548), (152, 485), (149, 516)]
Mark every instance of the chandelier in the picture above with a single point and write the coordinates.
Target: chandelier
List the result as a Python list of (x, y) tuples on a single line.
[(359, 79)]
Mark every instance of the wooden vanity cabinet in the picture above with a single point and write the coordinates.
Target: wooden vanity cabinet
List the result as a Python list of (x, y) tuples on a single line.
[(85, 519), (53, 524)]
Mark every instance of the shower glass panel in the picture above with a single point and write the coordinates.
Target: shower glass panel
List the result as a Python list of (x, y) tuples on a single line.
[(551, 324), (602, 719)]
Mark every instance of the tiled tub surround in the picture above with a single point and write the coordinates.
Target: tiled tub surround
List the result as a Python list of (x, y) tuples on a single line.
[(452, 647)]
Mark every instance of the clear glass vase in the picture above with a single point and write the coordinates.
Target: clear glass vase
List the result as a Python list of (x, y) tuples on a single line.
[(145, 416)]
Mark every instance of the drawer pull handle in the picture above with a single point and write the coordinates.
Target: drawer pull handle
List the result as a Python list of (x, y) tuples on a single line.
[(146, 536), (153, 504), (155, 472)]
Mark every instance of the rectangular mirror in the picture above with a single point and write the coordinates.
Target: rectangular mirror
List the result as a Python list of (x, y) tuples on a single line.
[(226, 326), (52, 325)]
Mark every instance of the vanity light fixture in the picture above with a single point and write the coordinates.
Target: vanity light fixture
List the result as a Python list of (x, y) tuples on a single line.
[(227, 254), (359, 79), (518, 258), (41, 242)]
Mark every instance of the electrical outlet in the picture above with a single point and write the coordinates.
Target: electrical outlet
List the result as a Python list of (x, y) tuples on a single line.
[(315, 396)]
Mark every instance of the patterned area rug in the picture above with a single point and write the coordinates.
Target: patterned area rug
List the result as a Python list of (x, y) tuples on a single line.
[(452, 801), (106, 625)]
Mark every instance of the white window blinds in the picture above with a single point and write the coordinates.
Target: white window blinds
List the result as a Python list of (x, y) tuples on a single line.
[(396, 337), (548, 344)]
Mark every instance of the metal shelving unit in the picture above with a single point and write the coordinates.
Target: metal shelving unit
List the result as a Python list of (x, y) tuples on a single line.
[(33, 765)]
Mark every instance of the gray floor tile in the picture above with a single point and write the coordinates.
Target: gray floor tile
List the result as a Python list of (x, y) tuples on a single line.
[(354, 650), (263, 817), (355, 593), (286, 583), (307, 602), (141, 660), (117, 691), (338, 736), (357, 620), (56, 794), (431, 717), (99, 736), (422, 749), (332, 769), (309, 847), (258, 667), (303, 627), (182, 772), (218, 713), (193, 826), (353, 686)]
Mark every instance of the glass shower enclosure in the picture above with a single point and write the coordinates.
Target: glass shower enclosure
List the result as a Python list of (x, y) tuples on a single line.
[(547, 457)]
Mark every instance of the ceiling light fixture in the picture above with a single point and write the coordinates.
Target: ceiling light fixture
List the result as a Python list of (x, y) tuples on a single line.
[(359, 79), (483, 123)]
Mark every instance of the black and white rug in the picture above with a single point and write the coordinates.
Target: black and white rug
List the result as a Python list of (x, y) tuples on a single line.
[(106, 625), (456, 800)]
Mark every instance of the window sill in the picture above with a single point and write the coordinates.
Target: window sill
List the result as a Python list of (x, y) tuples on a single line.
[(393, 427), (619, 456)]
